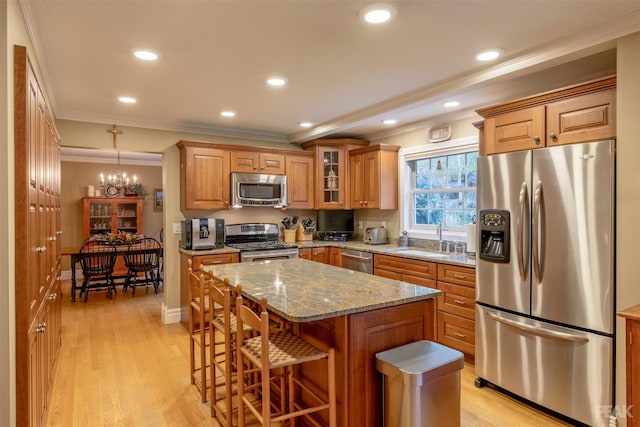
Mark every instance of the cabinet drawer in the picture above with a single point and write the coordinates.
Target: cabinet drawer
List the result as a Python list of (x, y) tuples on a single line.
[(459, 275), (412, 267), (457, 332), (205, 260), (458, 300)]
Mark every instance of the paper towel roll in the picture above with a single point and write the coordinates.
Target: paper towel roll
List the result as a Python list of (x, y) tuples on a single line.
[(90, 191), (471, 238)]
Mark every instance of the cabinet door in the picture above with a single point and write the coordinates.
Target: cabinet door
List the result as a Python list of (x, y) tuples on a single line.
[(515, 131), (331, 175), (305, 253), (335, 256), (589, 117), (272, 163), (128, 216), (244, 161), (300, 182), (204, 178), (320, 255)]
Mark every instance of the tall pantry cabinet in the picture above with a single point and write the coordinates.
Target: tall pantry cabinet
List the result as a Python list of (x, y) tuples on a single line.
[(37, 244)]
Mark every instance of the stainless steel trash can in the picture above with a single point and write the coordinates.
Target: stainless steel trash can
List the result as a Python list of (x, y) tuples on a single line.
[(421, 385)]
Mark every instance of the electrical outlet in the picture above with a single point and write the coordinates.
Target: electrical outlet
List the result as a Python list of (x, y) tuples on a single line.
[(359, 225), (384, 224), (177, 228)]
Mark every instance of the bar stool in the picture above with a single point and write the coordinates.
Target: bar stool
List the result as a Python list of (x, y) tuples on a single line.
[(274, 355), (198, 294), (222, 330)]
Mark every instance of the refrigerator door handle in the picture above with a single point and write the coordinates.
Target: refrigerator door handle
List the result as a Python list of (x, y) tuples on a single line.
[(521, 223), (541, 332), (535, 234)]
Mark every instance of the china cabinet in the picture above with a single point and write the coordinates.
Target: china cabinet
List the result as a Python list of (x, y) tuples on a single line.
[(102, 215)]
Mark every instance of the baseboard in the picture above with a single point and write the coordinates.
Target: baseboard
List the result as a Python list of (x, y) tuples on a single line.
[(170, 315)]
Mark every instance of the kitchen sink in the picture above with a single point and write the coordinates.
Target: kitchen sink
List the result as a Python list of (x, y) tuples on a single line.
[(420, 252)]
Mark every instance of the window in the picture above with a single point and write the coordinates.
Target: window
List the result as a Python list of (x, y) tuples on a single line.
[(439, 187), (444, 190)]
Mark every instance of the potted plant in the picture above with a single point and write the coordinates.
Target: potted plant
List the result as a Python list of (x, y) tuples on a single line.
[(135, 190)]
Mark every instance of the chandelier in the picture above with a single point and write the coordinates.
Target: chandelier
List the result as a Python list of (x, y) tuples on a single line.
[(114, 184)]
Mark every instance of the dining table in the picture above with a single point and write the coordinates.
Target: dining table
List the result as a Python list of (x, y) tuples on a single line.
[(120, 271)]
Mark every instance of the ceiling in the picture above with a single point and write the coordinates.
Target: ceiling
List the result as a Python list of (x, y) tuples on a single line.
[(344, 76)]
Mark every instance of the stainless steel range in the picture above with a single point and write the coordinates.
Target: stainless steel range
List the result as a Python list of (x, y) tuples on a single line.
[(258, 242)]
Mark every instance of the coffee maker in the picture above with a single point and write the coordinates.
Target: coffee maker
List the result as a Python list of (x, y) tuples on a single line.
[(202, 233)]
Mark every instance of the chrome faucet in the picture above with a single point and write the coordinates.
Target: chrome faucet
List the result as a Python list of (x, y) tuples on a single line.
[(440, 236)]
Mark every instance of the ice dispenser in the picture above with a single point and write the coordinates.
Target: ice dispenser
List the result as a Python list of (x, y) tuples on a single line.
[(494, 235)]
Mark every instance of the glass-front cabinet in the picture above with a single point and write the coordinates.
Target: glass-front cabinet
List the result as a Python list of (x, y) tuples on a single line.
[(332, 170), (102, 215)]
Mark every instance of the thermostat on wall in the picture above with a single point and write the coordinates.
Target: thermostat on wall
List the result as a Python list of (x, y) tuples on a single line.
[(440, 133)]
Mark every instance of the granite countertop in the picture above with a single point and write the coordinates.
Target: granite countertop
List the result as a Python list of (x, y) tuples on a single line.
[(302, 291), (387, 249)]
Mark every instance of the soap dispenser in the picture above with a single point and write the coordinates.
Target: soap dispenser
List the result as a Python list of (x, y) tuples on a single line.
[(404, 239)]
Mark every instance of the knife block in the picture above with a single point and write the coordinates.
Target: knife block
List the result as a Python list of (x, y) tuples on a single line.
[(301, 237)]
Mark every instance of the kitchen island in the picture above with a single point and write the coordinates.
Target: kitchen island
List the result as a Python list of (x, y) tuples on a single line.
[(358, 314)]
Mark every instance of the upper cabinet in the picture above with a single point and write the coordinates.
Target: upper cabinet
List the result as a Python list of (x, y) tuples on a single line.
[(299, 168), (373, 177), (579, 113), (204, 176), (257, 162), (332, 171)]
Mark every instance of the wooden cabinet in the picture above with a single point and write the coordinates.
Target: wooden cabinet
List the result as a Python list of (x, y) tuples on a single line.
[(414, 271), (315, 254), (300, 182), (204, 176), (332, 171), (580, 113), (101, 215), (373, 177), (257, 162), (335, 256), (197, 263), (632, 316), (37, 245), (456, 308)]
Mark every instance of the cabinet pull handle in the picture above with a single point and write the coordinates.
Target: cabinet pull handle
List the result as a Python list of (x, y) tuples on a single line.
[(459, 276), (458, 301), (458, 334), (53, 297), (213, 261), (41, 249), (41, 327)]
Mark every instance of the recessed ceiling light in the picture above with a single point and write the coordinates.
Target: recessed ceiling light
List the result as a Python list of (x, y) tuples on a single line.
[(306, 124), (389, 121), (377, 13), (488, 55), (451, 104), (145, 55), (228, 113), (276, 81), (127, 99)]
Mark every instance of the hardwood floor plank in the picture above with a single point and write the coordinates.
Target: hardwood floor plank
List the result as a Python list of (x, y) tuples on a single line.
[(120, 366)]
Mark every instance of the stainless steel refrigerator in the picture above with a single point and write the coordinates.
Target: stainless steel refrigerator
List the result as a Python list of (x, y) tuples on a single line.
[(545, 326)]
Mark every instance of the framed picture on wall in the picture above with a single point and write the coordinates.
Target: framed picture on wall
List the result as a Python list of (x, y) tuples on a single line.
[(157, 200)]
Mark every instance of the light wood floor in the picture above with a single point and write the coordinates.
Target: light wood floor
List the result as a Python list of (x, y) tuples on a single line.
[(120, 366)]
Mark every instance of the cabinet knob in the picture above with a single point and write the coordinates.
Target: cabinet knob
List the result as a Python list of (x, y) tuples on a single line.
[(553, 136), (59, 232), (41, 327), (41, 249), (53, 296), (52, 239), (536, 139)]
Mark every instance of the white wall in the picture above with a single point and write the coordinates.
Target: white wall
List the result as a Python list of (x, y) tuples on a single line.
[(628, 192)]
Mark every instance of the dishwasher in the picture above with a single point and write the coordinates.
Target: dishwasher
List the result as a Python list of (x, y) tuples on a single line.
[(357, 260)]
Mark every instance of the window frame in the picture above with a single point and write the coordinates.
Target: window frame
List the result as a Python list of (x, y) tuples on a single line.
[(407, 155)]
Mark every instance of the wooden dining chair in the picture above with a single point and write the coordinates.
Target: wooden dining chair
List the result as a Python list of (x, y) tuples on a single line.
[(199, 321), (274, 355), (142, 260), (97, 259)]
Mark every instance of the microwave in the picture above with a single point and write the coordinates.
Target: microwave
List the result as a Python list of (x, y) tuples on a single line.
[(257, 189)]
